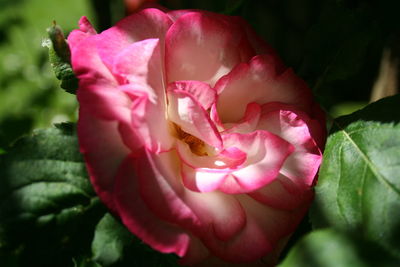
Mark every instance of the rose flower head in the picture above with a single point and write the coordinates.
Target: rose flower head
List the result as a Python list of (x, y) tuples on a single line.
[(195, 134)]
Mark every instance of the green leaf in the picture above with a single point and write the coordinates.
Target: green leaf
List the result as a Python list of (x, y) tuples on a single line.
[(109, 240), (60, 59), (329, 248), (48, 209), (359, 182), (114, 245)]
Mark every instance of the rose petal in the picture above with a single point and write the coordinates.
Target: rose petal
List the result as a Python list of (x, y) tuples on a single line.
[(202, 180), (104, 101), (146, 24), (215, 118), (283, 194), (139, 66), (265, 228), (218, 214), (196, 253), (137, 217), (188, 114), (259, 82), (207, 173), (103, 150), (176, 14), (98, 90), (149, 120), (230, 158), (160, 188), (203, 46), (142, 63), (249, 121), (318, 127), (200, 91), (87, 64), (85, 30), (293, 126), (222, 214), (266, 154), (107, 102)]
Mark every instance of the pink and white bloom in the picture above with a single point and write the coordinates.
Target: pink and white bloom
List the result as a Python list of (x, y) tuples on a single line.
[(195, 134)]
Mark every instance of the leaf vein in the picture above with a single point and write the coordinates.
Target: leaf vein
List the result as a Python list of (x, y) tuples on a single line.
[(370, 164), (340, 207), (20, 187)]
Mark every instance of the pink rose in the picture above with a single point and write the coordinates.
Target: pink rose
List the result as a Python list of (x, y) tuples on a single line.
[(195, 134)]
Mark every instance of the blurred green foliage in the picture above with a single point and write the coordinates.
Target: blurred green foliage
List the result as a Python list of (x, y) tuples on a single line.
[(329, 248), (29, 92)]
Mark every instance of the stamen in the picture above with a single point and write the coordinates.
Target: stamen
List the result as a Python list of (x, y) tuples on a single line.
[(196, 145)]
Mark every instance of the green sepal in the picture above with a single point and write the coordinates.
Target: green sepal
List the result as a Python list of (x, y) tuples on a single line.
[(60, 59)]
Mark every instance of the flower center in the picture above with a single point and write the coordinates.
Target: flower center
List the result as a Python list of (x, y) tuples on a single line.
[(196, 145)]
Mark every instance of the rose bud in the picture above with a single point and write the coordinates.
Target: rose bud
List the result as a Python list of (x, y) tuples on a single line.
[(195, 134)]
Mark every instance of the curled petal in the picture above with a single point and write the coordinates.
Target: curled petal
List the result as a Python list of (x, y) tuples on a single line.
[(188, 114), (215, 118), (230, 158), (235, 171), (294, 126), (207, 173), (266, 154), (259, 81), (200, 91)]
